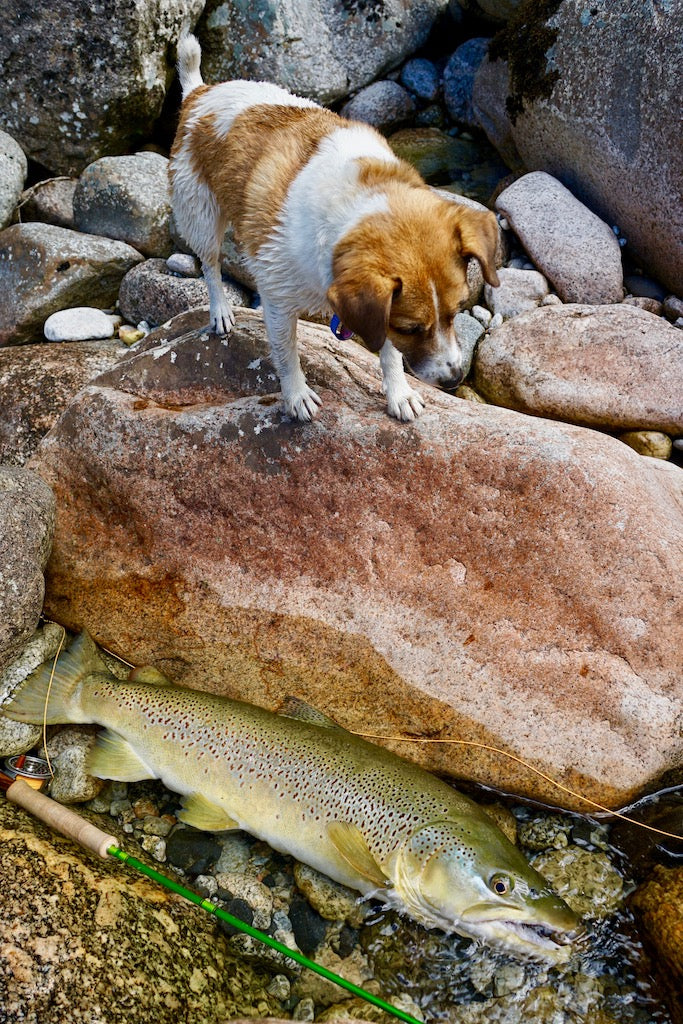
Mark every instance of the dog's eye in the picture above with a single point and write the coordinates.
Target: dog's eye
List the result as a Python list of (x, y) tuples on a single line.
[(408, 329)]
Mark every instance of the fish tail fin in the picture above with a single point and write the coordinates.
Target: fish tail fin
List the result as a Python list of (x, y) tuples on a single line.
[(51, 693), (189, 62)]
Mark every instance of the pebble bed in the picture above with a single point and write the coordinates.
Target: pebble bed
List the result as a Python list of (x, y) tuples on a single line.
[(428, 974)]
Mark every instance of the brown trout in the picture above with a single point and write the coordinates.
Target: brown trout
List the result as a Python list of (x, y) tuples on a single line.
[(352, 810)]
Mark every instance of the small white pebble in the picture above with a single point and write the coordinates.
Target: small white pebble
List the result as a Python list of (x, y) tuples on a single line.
[(678, 443), (496, 321), (679, 322), (503, 222), (551, 300), (482, 314)]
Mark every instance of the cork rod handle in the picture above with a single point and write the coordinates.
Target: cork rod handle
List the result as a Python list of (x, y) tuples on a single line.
[(60, 818)]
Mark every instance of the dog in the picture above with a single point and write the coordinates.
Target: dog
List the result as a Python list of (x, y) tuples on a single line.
[(328, 219)]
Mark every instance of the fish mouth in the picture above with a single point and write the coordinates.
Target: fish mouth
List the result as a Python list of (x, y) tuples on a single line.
[(532, 940)]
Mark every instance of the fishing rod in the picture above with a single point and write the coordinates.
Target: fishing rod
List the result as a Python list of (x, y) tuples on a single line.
[(92, 838)]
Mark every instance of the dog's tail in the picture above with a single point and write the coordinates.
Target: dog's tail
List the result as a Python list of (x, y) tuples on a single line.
[(189, 61)]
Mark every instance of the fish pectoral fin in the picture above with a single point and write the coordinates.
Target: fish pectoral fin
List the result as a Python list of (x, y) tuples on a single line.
[(112, 757), (201, 813), (294, 707), (352, 846)]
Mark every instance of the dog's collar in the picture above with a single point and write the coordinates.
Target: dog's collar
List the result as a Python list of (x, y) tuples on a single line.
[(338, 329)]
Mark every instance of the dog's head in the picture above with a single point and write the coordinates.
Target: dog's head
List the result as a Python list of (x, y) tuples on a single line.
[(402, 276)]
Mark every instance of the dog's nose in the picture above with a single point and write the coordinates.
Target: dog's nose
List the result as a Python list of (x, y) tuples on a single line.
[(451, 382)]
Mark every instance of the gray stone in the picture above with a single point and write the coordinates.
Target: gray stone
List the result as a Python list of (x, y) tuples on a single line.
[(468, 331), (576, 250), (44, 268), (17, 737), (592, 93), (79, 82), (13, 169), (27, 510), (152, 293), (673, 307), (615, 367), (489, 95), (127, 197), (42, 379), (385, 105), (324, 50), (184, 265), (50, 201), (67, 752), (421, 78), (458, 80), (519, 291), (80, 323)]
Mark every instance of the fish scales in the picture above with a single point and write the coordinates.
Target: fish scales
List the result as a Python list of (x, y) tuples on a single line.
[(351, 809), (272, 773)]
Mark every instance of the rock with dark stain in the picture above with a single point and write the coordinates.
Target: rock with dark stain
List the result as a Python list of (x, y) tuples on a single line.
[(478, 573)]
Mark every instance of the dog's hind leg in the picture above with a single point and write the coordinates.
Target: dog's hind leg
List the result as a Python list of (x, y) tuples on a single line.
[(202, 225), (300, 401)]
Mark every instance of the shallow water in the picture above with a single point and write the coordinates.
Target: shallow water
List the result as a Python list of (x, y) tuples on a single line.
[(450, 979)]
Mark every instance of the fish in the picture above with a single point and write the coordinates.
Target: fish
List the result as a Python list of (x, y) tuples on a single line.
[(351, 809)]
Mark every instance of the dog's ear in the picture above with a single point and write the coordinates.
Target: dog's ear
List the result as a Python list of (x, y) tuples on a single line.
[(363, 305), (477, 234)]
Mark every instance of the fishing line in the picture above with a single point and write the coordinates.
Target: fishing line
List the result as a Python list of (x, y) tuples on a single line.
[(537, 771), (47, 701)]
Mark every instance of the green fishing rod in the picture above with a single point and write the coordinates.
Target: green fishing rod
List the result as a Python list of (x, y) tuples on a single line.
[(72, 825)]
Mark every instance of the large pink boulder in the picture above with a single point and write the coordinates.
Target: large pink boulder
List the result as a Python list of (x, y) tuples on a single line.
[(478, 575)]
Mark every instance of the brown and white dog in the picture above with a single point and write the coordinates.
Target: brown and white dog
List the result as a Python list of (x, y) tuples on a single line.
[(328, 218)]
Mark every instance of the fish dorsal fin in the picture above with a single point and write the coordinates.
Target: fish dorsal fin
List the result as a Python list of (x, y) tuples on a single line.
[(350, 843), (150, 675), (112, 757), (201, 813), (294, 707)]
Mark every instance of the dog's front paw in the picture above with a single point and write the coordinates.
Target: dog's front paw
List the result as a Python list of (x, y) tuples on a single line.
[(222, 320), (302, 405), (405, 404)]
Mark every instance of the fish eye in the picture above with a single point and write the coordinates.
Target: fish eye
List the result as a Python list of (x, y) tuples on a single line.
[(501, 884)]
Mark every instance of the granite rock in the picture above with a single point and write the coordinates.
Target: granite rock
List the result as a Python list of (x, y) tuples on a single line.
[(50, 201), (322, 50), (151, 292), (235, 549), (127, 197), (45, 268), (577, 252), (83, 80), (613, 367), (13, 169), (42, 379), (518, 292), (590, 96), (27, 511), (385, 105)]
